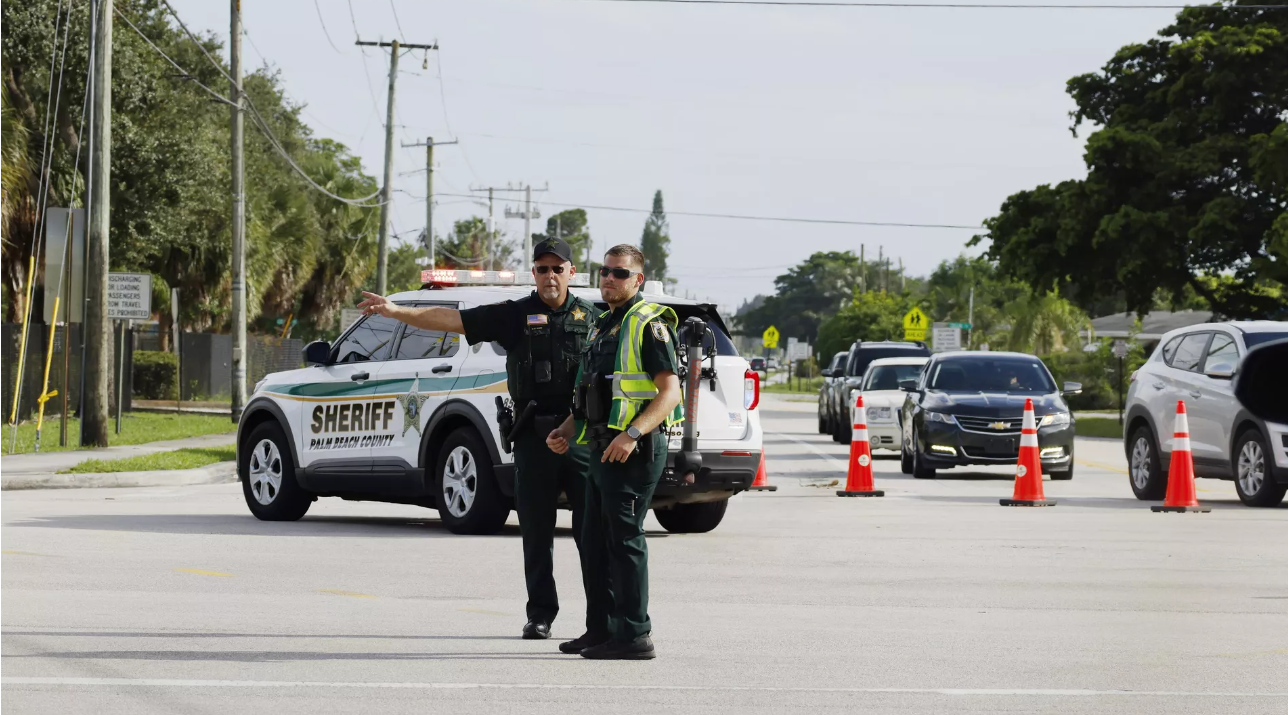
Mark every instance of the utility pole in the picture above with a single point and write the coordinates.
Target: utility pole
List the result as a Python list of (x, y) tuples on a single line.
[(903, 282), (527, 226), (880, 264), (863, 271), (386, 190), (491, 233), (98, 363), (527, 214), (239, 219), (429, 145)]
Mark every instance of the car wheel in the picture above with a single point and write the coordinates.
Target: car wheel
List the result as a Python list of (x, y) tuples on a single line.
[(919, 468), (268, 476), (1148, 482), (469, 499), (822, 422), (692, 518), (905, 459), (1252, 478)]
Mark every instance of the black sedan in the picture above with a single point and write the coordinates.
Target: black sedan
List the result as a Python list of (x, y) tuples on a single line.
[(968, 407)]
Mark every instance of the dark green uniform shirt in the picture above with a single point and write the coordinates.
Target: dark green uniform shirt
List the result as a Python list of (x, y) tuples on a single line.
[(657, 351), (531, 333)]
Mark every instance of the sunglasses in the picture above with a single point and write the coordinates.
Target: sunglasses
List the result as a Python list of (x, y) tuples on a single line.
[(620, 274), (542, 270)]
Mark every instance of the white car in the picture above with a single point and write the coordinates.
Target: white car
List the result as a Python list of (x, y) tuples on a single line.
[(1196, 364), (883, 400), (398, 414)]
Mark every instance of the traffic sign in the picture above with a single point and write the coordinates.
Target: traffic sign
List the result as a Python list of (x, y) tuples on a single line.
[(963, 326), (947, 339), (1120, 349), (129, 296), (770, 337), (915, 324)]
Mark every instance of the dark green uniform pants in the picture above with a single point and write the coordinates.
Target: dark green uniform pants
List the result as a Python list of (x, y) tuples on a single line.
[(540, 475), (612, 542)]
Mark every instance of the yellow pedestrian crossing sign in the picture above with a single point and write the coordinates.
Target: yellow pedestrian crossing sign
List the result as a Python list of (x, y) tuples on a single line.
[(915, 324), (770, 337)]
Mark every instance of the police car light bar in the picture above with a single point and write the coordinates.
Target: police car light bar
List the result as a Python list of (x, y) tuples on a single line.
[(451, 276)]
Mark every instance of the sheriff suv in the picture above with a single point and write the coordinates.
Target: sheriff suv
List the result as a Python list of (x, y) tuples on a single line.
[(398, 414)]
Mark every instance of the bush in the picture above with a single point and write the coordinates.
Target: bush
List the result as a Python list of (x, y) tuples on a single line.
[(1098, 373), (156, 375)]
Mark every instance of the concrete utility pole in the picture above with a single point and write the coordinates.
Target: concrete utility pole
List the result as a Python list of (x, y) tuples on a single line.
[(863, 271), (98, 334), (429, 145), (527, 226), (386, 190), (527, 215), (239, 218)]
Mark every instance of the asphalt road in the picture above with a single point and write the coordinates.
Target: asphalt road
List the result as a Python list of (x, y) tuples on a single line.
[(931, 600)]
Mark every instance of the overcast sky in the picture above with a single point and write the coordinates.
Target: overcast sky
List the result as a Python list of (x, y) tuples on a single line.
[(913, 115)]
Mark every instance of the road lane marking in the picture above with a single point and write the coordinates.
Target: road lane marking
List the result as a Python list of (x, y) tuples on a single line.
[(27, 553), (200, 572), (835, 463), (1099, 465), (959, 692), (350, 594)]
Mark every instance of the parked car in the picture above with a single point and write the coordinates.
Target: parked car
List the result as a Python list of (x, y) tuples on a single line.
[(832, 374), (1196, 364), (883, 399), (968, 408), (759, 365), (772, 364), (856, 363)]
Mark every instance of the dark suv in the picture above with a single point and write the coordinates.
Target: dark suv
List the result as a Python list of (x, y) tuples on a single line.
[(856, 363), (832, 374)]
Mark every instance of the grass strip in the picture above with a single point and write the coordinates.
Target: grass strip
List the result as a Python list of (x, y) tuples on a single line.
[(188, 458), (136, 428), (1098, 427)]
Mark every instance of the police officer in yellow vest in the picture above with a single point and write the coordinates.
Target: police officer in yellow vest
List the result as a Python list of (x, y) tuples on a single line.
[(628, 394)]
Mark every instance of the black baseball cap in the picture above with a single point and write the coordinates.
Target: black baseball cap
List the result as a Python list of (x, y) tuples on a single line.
[(557, 246)]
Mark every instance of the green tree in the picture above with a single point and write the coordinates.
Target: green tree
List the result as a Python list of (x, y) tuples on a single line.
[(656, 241), (571, 226), (1187, 181), (875, 315), (807, 294), (1044, 323)]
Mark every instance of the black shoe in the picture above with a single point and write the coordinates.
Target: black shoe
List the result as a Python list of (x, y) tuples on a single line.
[(536, 631), (584, 641), (639, 649)]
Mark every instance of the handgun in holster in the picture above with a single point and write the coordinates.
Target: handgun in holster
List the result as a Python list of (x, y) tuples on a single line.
[(511, 427)]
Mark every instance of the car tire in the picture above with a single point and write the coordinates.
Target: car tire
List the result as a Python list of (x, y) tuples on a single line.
[(1252, 478), (905, 459), (692, 518), (822, 423), (919, 468), (1144, 471), (465, 487), (267, 470)]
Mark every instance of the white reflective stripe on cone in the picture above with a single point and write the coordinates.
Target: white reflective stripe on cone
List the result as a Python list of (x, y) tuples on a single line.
[(860, 434), (1181, 444), (1028, 440), (1182, 423), (1029, 421)]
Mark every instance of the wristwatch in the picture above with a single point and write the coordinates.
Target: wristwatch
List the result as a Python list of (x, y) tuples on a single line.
[(634, 433)]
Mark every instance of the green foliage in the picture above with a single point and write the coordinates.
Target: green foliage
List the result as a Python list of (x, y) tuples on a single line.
[(656, 242), (187, 458), (1045, 323), (1098, 373), (571, 226), (1106, 427), (156, 375), (468, 246), (1186, 184), (808, 294), (868, 316), (136, 428)]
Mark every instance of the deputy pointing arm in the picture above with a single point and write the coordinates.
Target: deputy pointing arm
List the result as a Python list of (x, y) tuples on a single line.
[(445, 319)]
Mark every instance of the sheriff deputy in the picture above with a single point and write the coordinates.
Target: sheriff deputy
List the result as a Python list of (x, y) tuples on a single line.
[(544, 336)]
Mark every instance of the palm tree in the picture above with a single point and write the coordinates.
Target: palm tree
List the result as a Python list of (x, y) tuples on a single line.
[(1045, 323)]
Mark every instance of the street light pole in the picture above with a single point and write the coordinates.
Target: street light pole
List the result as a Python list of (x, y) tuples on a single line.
[(239, 219)]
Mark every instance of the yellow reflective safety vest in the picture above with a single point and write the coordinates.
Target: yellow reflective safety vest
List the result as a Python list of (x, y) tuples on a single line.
[(632, 386)]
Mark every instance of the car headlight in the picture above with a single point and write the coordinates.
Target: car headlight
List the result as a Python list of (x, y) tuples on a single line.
[(1056, 419), (879, 414), (939, 417)]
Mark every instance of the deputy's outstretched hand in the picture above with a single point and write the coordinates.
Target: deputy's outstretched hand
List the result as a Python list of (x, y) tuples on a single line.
[(620, 449), (374, 304)]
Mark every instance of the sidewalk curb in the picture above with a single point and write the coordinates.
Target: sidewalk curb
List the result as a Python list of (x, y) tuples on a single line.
[(218, 473)]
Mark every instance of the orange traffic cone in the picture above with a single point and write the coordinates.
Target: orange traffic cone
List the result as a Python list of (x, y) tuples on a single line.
[(1028, 470), (858, 478), (1181, 494), (762, 480)]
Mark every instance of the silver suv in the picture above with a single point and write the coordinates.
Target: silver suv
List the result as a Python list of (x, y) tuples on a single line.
[(1196, 364)]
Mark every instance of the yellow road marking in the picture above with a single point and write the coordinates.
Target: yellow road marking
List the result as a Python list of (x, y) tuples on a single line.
[(1098, 465), (350, 594), (1254, 654), (483, 611), (200, 572), (25, 553)]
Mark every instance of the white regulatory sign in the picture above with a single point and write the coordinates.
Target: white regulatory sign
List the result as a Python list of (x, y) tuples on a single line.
[(348, 316), (129, 296), (1120, 348), (946, 339)]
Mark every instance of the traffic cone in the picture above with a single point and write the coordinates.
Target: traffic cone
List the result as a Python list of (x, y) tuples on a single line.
[(1181, 494), (1028, 470), (762, 480), (858, 478)]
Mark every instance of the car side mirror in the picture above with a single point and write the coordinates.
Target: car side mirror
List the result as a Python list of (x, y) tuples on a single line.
[(908, 385), (826, 372), (1071, 388), (1220, 371), (317, 352)]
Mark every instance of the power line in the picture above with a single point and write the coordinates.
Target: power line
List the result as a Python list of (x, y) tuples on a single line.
[(324, 30), (442, 94), (742, 217), (963, 6), (397, 22), (366, 73)]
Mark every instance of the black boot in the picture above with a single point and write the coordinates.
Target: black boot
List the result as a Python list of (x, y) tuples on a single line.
[(582, 642), (536, 630), (639, 649)]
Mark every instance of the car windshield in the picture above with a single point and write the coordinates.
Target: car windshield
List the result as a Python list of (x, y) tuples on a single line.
[(858, 362), (888, 377), (990, 375), (1254, 339)]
